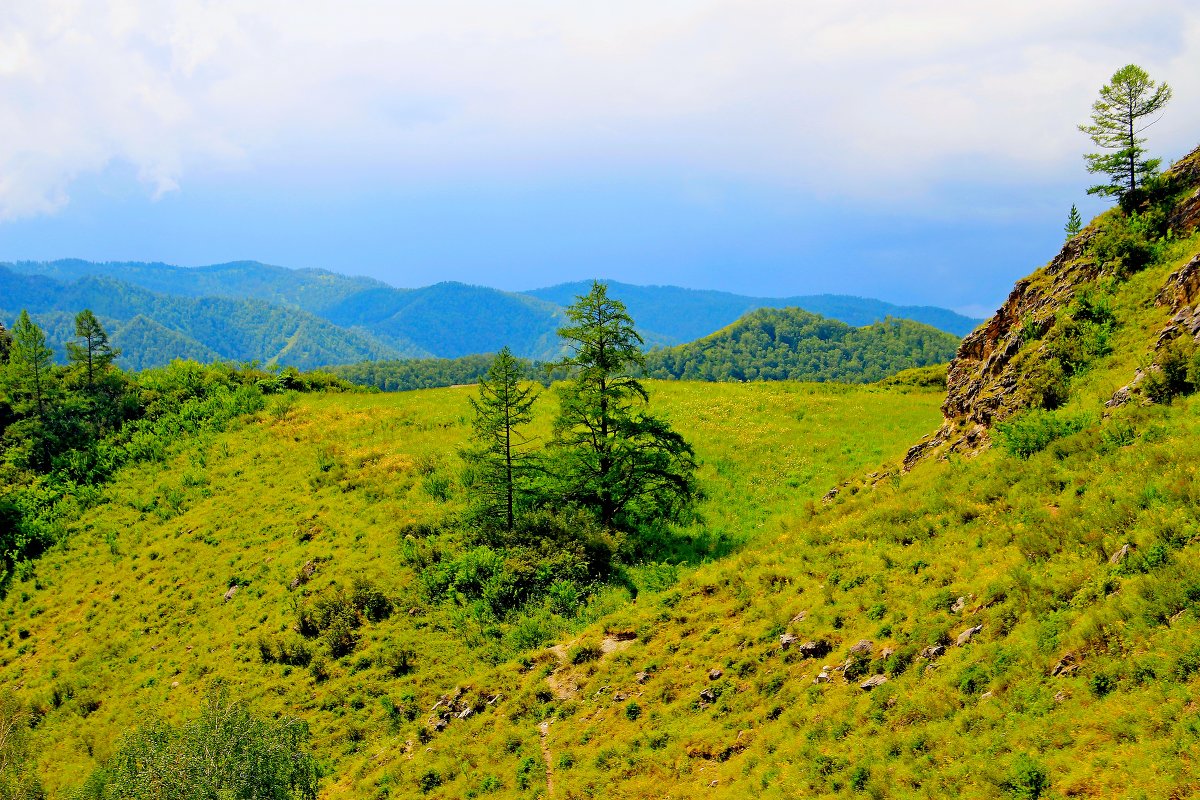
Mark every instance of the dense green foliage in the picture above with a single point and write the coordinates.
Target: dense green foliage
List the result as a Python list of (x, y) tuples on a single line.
[(791, 344), (1117, 119), (426, 373), (225, 753)]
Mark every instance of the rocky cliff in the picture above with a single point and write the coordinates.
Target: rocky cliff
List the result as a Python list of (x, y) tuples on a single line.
[(985, 379)]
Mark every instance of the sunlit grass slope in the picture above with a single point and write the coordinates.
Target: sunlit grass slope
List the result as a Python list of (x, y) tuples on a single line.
[(130, 618), (1025, 627)]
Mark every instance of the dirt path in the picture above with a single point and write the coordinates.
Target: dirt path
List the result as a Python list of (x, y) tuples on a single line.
[(544, 730)]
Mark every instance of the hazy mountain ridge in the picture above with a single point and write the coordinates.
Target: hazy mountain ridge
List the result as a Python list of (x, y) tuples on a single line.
[(448, 320), (688, 314), (236, 330)]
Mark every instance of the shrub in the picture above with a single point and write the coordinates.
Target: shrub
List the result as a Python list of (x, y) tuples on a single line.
[(1027, 779), (253, 758), (1101, 684), (583, 653), (632, 711), (398, 661), (1026, 434)]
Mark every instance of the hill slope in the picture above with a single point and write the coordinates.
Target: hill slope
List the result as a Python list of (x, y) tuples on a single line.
[(791, 344)]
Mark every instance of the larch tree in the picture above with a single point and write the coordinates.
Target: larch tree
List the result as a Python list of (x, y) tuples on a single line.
[(5, 344), (93, 354), (612, 457), (1074, 223), (30, 385), (500, 455), (1117, 120)]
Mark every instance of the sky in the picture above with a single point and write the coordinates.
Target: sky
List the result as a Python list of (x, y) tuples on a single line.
[(918, 152)]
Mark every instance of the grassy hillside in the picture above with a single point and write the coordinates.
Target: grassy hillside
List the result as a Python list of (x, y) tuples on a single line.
[(128, 618), (791, 344)]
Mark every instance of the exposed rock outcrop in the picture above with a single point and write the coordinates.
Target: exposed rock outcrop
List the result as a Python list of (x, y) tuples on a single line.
[(983, 385)]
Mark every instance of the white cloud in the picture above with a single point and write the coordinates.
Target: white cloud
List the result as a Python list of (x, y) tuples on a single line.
[(874, 96)]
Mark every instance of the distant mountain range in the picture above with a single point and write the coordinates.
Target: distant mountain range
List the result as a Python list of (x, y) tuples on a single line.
[(246, 311)]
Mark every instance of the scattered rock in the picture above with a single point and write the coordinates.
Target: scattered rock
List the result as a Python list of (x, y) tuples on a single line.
[(887, 653), (1060, 697), (1121, 554), (933, 651), (864, 646), (174, 684), (799, 617), (620, 697), (822, 677), (231, 592), (986, 696), (306, 573), (959, 605), (713, 674), (787, 640), (814, 649), (712, 784), (967, 635), (642, 677), (1065, 666), (873, 681), (830, 495), (437, 705), (708, 696), (440, 724), (466, 713)]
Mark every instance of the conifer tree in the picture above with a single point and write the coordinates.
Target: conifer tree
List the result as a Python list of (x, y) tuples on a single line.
[(500, 455), (614, 458), (1074, 223), (93, 354), (5, 344), (30, 383), (31, 365), (1129, 97)]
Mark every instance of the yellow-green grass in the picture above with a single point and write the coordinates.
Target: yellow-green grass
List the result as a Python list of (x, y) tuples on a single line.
[(127, 619), (1026, 543)]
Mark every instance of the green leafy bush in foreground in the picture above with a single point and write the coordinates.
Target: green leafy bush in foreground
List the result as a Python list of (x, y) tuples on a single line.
[(224, 753)]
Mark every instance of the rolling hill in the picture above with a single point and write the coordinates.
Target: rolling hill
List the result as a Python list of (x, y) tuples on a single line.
[(791, 344)]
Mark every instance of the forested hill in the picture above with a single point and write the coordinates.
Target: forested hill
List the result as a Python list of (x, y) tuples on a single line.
[(792, 344), (152, 329), (684, 315)]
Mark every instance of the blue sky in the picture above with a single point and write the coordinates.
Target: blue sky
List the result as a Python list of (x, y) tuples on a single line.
[(921, 153)]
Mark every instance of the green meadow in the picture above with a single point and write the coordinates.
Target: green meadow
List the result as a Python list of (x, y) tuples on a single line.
[(127, 618)]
